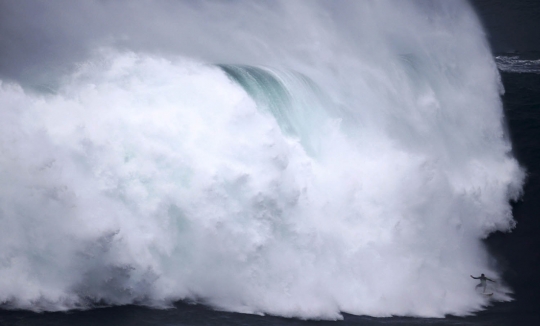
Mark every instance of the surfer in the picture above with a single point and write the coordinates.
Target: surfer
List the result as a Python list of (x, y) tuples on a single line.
[(483, 281)]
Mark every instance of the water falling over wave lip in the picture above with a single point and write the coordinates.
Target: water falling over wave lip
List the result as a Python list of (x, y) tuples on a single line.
[(357, 171)]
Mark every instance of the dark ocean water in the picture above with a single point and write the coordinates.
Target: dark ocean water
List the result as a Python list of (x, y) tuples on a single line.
[(185, 314)]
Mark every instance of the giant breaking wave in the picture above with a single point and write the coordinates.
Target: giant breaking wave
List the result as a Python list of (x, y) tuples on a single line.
[(327, 157)]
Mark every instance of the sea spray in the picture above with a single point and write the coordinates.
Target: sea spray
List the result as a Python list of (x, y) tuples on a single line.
[(359, 174)]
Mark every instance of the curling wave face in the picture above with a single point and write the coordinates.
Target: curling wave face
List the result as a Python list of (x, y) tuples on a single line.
[(354, 170)]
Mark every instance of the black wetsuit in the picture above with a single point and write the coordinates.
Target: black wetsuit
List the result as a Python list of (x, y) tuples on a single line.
[(483, 282)]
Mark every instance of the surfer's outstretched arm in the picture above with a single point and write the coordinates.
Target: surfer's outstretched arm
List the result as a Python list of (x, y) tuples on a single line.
[(475, 277), (490, 280)]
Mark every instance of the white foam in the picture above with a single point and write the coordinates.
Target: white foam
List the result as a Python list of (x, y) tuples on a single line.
[(145, 179), (516, 64)]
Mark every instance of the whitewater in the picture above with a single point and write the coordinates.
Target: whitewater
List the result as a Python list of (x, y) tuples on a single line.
[(293, 158)]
